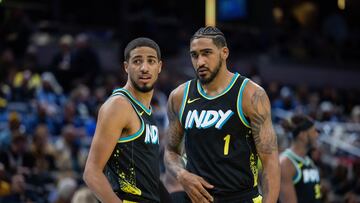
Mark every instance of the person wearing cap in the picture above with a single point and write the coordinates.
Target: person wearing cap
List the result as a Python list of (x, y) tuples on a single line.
[(300, 178)]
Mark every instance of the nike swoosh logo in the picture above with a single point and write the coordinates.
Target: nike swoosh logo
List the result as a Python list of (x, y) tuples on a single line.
[(141, 113), (191, 101)]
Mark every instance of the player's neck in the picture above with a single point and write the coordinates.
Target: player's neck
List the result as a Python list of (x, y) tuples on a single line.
[(143, 97), (219, 83), (299, 150)]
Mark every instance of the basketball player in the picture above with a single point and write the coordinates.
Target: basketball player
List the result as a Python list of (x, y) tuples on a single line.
[(123, 163), (226, 121), (300, 179)]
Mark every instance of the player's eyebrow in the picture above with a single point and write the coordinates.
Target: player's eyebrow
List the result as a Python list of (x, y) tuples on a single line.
[(202, 50), (141, 56)]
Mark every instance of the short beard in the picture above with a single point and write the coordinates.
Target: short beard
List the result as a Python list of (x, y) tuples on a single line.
[(212, 74), (143, 89)]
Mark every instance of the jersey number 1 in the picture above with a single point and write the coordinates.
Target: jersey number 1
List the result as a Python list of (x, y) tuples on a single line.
[(317, 188), (226, 145)]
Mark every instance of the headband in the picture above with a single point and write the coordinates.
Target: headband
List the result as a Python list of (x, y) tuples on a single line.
[(306, 125)]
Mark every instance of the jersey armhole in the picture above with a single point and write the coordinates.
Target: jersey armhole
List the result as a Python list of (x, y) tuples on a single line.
[(297, 176), (140, 131), (184, 99), (239, 104)]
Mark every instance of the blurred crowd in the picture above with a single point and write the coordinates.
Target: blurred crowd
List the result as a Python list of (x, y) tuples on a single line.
[(48, 117)]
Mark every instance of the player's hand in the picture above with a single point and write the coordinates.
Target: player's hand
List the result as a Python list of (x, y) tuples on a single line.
[(195, 186)]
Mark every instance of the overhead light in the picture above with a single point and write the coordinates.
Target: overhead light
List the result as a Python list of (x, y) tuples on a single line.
[(210, 12), (341, 4)]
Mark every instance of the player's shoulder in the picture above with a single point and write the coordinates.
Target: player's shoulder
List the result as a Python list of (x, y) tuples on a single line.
[(116, 104), (253, 91), (178, 92), (286, 163), (176, 96), (254, 95), (252, 87)]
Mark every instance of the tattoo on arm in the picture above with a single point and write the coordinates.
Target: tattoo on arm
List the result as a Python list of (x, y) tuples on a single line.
[(174, 138), (264, 183), (263, 132), (266, 144)]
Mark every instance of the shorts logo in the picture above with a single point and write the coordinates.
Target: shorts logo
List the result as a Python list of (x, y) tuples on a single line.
[(207, 119)]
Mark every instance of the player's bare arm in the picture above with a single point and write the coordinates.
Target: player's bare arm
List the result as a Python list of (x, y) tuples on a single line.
[(113, 119), (257, 107), (174, 134), (193, 185), (287, 189)]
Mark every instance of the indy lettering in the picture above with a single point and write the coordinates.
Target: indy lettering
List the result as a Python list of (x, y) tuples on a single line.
[(207, 119)]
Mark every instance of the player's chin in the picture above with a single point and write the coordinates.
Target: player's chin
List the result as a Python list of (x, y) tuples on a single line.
[(146, 87), (203, 74), (204, 78)]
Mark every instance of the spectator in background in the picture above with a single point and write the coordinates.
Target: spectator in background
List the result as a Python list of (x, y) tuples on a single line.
[(284, 106), (84, 195), (7, 70), (14, 127), (24, 85), (86, 65), (351, 197), (286, 101), (71, 116), (98, 98), (313, 105), (26, 80), (50, 94), (44, 171), (158, 104), (70, 156), (81, 99), (61, 62), (18, 159), (41, 115), (273, 91), (8, 66), (16, 31), (4, 183), (327, 112), (20, 193), (339, 180), (355, 114), (355, 182), (43, 151), (302, 97), (65, 190)]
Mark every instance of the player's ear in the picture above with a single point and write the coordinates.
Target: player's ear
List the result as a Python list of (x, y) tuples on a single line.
[(126, 65), (225, 53), (160, 66)]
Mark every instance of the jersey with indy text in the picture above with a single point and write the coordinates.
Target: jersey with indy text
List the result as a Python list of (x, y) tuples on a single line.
[(133, 168), (218, 138), (306, 179)]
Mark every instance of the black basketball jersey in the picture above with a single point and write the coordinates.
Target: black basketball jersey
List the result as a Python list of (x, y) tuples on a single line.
[(218, 139), (306, 179), (133, 168)]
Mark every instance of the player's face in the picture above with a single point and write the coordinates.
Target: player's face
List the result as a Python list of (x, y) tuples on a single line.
[(143, 68), (207, 59), (313, 135)]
